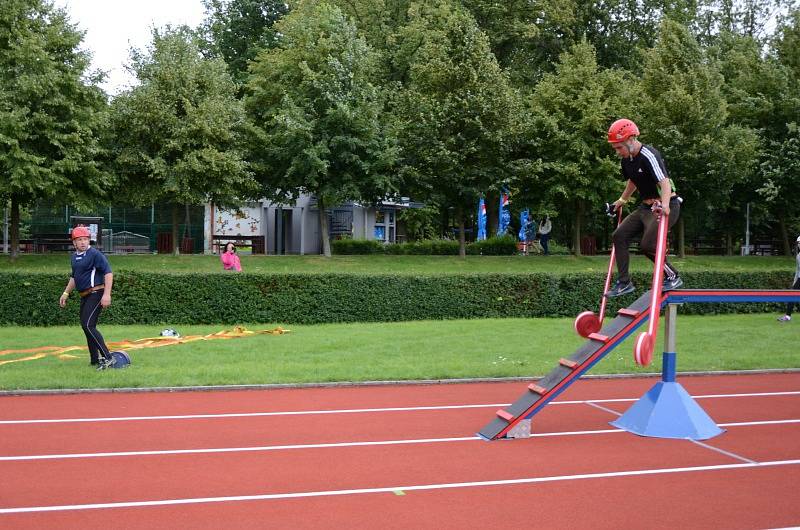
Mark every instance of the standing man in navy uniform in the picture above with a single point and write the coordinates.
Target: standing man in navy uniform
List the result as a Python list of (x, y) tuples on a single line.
[(92, 278), (644, 171)]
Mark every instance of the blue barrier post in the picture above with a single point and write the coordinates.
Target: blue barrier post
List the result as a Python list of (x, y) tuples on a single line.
[(667, 410)]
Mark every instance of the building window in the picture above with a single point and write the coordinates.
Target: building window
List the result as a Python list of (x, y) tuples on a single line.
[(384, 226)]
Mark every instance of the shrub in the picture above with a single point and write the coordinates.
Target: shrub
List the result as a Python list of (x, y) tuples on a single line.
[(158, 298), (356, 246), (433, 247), (505, 245)]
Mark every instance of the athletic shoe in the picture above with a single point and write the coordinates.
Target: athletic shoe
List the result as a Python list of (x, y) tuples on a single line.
[(620, 288), (669, 285), (104, 363), (785, 318)]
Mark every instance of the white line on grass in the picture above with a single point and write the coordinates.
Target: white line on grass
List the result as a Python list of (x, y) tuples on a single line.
[(356, 411), (393, 489), (333, 444)]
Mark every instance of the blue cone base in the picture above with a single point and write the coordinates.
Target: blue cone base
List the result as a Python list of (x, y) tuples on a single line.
[(668, 411)]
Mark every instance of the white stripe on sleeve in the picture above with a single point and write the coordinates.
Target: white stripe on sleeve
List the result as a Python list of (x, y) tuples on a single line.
[(651, 157)]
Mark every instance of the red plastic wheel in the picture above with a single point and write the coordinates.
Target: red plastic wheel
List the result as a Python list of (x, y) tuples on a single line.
[(587, 323), (643, 351)]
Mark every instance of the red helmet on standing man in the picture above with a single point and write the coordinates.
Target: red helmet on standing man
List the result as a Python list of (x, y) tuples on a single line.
[(621, 130), (80, 231)]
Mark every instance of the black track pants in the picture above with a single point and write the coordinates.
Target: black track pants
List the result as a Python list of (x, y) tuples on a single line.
[(90, 312), (642, 223)]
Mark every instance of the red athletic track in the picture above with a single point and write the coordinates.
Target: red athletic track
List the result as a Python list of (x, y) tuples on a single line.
[(748, 496)]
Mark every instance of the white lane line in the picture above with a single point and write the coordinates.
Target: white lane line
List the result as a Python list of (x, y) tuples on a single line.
[(604, 409), (722, 451), (284, 447), (763, 422), (358, 411), (333, 444), (391, 489), (236, 449), (252, 414), (752, 394)]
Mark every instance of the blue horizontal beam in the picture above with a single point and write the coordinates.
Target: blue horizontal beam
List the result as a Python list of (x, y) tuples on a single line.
[(731, 295)]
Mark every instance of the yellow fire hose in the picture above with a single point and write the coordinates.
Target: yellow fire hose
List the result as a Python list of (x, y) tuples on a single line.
[(150, 342)]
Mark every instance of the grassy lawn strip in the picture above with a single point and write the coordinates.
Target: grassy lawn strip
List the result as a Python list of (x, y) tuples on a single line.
[(394, 351), (408, 265)]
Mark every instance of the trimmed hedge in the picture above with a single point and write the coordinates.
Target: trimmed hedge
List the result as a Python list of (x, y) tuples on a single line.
[(494, 246), (153, 298)]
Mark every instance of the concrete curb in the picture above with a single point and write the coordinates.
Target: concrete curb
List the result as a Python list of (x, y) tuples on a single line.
[(344, 384)]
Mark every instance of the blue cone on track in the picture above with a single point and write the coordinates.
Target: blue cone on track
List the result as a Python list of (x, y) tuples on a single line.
[(120, 359), (668, 411)]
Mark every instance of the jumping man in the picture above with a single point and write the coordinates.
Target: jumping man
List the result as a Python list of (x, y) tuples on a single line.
[(644, 171)]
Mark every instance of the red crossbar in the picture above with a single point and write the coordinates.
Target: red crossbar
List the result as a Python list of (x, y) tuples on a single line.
[(505, 415), (533, 387)]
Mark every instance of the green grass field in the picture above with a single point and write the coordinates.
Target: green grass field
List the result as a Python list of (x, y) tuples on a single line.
[(396, 351), (411, 265)]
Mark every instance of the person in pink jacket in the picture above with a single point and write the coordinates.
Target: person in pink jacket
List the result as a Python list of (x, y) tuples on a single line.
[(230, 261)]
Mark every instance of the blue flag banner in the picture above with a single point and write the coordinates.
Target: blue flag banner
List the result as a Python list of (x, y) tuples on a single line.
[(524, 217), (505, 215), (481, 220)]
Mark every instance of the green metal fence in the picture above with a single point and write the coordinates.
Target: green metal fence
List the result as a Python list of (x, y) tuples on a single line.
[(125, 228)]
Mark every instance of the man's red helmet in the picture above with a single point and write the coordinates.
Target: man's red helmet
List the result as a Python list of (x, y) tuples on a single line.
[(80, 231), (621, 130)]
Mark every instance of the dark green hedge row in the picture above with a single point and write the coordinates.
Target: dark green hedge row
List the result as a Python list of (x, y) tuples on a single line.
[(152, 298), (494, 246)]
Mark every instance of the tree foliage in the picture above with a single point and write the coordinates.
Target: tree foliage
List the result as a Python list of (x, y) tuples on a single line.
[(51, 110), (571, 109), (456, 113), (177, 137), (686, 118), (318, 114), (781, 170), (237, 30), (444, 100)]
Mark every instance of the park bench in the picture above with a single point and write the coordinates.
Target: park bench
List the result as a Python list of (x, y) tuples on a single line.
[(706, 246), (52, 242), (256, 243)]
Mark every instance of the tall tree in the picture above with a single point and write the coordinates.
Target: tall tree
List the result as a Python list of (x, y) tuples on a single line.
[(50, 110), (456, 114), (758, 91), (529, 36), (177, 137), (686, 118), (781, 171), (786, 44), (571, 110), (317, 112), (749, 18), (526, 36), (781, 160), (237, 30)]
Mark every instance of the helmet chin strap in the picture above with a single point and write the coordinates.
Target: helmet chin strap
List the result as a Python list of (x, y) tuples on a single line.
[(630, 144)]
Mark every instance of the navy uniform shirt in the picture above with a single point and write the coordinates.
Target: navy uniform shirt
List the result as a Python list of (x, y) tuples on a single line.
[(646, 170), (89, 268)]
